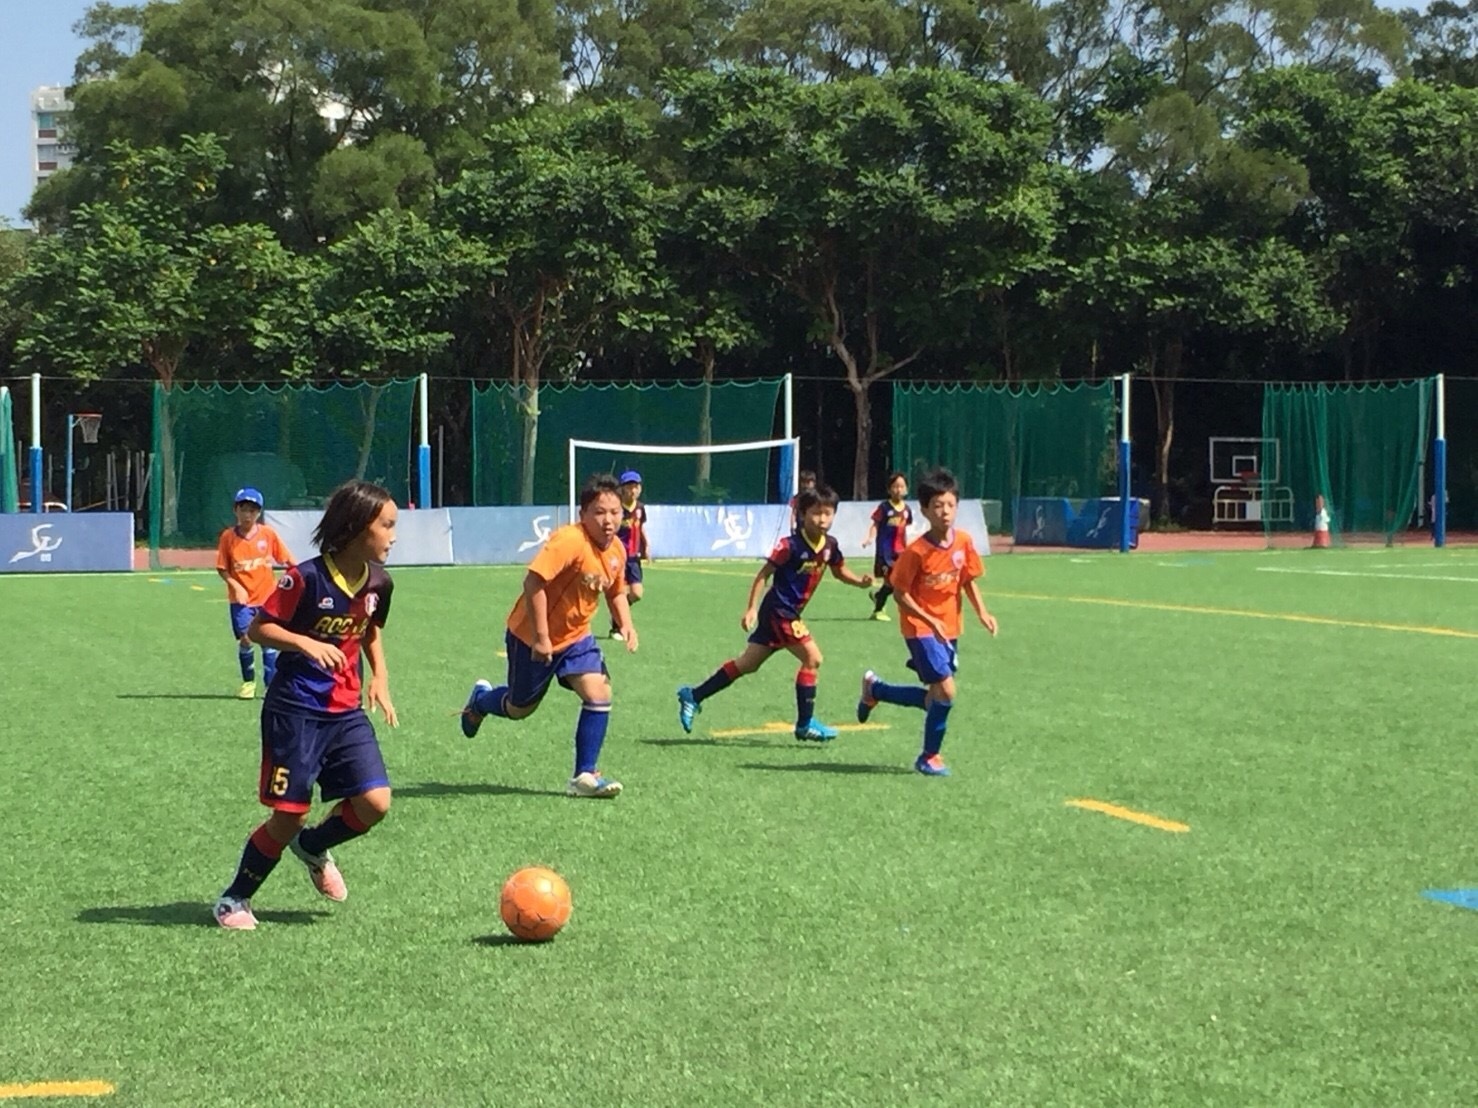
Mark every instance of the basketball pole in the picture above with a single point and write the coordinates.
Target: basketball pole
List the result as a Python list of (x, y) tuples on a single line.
[(1439, 467), (37, 493), (1124, 465), (423, 454), (71, 425)]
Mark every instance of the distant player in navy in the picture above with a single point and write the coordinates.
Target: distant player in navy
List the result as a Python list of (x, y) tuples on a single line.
[(797, 564), (890, 523), (632, 535), (323, 614)]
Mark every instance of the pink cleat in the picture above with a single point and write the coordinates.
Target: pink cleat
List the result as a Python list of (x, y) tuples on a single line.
[(322, 872), (235, 915)]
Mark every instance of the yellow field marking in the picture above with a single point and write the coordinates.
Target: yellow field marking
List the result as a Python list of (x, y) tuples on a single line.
[(778, 728), (1245, 613), (55, 1088), (197, 588), (1130, 814)]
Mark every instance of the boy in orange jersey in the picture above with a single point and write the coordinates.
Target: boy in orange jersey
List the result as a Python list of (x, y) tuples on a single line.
[(246, 557), (929, 579), (549, 635)]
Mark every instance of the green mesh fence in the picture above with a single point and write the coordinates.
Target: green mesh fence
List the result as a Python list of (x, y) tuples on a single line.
[(1004, 443), (1361, 447), (521, 460), (10, 493), (294, 443)]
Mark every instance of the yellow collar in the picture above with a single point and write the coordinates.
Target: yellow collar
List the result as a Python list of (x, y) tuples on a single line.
[(813, 545), (341, 581)]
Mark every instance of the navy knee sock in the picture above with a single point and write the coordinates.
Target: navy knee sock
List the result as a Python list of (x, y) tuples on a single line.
[(590, 734)]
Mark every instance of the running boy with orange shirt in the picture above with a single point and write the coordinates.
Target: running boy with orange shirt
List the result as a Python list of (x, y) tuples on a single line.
[(929, 580), (549, 635), (245, 558)]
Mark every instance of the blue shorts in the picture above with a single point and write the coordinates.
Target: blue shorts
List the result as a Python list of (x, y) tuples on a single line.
[(241, 617), (932, 659), (633, 571), (779, 629), (339, 753), (529, 680)]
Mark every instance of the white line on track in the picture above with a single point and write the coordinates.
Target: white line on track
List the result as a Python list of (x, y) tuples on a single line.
[(1357, 573)]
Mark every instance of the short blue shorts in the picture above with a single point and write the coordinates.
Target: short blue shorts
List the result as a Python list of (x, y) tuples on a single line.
[(932, 659), (529, 680), (339, 753), (633, 571), (241, 617)]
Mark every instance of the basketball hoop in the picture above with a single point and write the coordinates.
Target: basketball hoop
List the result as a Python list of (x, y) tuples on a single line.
[(88, 423)]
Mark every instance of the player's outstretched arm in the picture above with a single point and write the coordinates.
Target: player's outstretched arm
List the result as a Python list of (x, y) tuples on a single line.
[(757, 586), (268, 633), (972, 593), (621, 613), (378, 693), (845, 575)]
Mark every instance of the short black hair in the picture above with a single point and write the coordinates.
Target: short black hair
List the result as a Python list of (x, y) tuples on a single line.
[(596, 484), (821, 496), (897, 476), (351, 508), (937, 482)]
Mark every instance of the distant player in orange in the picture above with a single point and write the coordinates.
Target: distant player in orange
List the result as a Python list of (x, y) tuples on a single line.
[(929, 580), (549, 637), (246, 558)]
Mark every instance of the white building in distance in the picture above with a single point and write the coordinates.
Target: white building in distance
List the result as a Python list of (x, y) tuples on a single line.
[(50, 150)]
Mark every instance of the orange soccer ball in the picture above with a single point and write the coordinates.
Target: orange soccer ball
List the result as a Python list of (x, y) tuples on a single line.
[(535, 903)]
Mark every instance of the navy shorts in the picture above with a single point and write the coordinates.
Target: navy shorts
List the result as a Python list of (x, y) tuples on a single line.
[(779, 629), (340, 754), (882, 565), (932, 659), (633, 571), (529, 680), (241, 617)]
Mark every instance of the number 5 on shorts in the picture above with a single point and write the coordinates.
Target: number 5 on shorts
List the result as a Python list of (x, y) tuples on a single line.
[(279, 781)]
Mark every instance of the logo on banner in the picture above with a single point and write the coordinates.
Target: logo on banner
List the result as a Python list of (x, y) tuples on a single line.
[(737, 529), (541, 534), (41, 545)]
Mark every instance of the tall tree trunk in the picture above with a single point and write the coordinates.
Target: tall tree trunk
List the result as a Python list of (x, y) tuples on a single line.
[(1164, 383), (164, 355), (528, 406), (706, 357), (862, 401)]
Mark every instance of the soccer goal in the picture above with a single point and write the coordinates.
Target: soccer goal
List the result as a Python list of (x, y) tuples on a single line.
[(759, 472)]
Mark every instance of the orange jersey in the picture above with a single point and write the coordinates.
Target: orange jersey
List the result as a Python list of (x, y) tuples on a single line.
[(576, 572), (249, 561), (933, 576)]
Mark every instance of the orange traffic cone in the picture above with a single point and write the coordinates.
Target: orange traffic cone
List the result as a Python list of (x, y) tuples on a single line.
[(1321, 524)]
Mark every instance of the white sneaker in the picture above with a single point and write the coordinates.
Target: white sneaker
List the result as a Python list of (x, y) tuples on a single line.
[(593, 785), (235, 915), (322, 871), (617, 635)]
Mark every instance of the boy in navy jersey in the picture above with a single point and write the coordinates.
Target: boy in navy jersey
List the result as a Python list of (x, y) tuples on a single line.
[(890, 523), (321, 616), (797, 564), (632, 535)]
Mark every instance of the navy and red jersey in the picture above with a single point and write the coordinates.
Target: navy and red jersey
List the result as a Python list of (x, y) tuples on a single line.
[(630, 533), (314, 599), (892, 522), (798, 569)]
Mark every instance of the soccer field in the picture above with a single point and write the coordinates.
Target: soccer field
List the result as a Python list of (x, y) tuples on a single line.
[(759, 921)]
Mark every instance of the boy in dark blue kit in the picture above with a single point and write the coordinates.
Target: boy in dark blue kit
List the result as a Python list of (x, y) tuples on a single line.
[(314, 729), (797, 564)]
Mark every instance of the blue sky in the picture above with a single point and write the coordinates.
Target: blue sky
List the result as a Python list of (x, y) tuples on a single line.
[(37, 47)]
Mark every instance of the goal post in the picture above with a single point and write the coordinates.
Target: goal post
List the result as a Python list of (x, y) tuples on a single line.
[(623, 455)]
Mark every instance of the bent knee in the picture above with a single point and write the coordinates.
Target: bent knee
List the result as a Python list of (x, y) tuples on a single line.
[(520, 711), (373, 806)]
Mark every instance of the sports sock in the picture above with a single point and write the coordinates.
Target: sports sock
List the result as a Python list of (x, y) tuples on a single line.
[(936, 719), (244, 656), (257, 862), (805, 696), (269, 664), (880, 598), (722, 678), (590, 734), (909, 696), (492, 702), (342, 824)]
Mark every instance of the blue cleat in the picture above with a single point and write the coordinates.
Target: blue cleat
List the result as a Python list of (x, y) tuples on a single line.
[(931, 765), (471, 717), (813, 731), (867, 702), (687, 708)]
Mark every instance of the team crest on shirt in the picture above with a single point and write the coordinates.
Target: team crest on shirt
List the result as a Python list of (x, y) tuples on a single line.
[(371, 602), (285, 581), (826, 554), (958, 558), (262, 544), (326, 602)]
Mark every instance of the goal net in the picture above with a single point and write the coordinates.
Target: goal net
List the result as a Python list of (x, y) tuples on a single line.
[(762, 472)]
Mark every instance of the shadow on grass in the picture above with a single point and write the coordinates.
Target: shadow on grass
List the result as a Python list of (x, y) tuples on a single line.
[(433, 790), (503, 940), (827, 767), (184, 913), (710, 742), (176, 696)]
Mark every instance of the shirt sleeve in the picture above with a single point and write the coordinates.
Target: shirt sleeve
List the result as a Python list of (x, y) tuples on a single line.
[(781, 554), (556, 556), (904, 571), (283, 603), (973, 567), (382, 609), (879, 514), (223, 552), (280, 553), (838, 559)]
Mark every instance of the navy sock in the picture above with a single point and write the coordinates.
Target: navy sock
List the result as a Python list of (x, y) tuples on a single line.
[(269, 664), (492, 702), (936, 719), (258, 860), (909, 696), (722, 678), (244, 656), (805, 696), (590, 734), (341, 825)]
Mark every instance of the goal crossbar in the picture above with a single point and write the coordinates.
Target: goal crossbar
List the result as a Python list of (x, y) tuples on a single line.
[(697, 448)]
